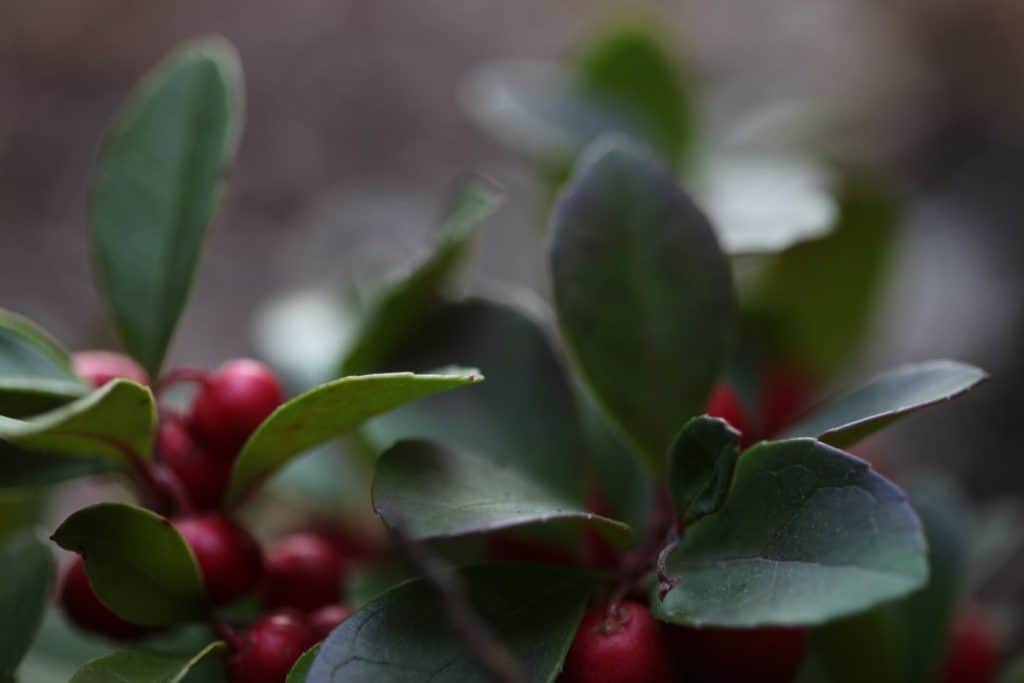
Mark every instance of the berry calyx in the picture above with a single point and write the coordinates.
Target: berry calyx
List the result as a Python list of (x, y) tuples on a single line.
[(972, 652), (232, 402), (99, 367), (270, 648), (85, 610), (728, 655), (725, 404), (203, 475), (326, 619), (618, 645), (229, 559), (303, 571)]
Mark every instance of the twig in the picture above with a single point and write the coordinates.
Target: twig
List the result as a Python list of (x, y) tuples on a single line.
[(473, 630)]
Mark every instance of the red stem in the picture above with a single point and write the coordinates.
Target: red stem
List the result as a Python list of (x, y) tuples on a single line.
[(227, 633), (179, 375)]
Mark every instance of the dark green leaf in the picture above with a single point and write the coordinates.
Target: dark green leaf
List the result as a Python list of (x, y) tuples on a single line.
[(328, 411), (1014, 672), (26, 573), (157, 184), (138, 564), (522, 417), (24, 469), (849, 418), (864, 648), (643, 293), (435, 492), (808, 534), (140, 666), (702, 460), (405, 637), (301, 668), (405, 304), (115, 423), (35, 372)]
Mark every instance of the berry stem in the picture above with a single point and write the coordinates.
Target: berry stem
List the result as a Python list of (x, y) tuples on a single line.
[(228, 634), (179, 375)]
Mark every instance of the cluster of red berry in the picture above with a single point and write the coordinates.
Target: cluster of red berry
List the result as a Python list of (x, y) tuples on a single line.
[(298, 579)]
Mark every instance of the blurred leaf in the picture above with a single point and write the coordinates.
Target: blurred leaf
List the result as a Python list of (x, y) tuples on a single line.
[(820, 296), (26, 574), (19, 510), (522, 417), (23, 469), (365, 583), (138, 564), (113, 424), (326, 412), (702, 460), (533, 610), (435, 492), (995, 538), (300, 670), (140, 666), (1014, 672), (807, 534), (865, 648), (35, 372), (851, 417), (643, 294), (157, 184), (405, 304)]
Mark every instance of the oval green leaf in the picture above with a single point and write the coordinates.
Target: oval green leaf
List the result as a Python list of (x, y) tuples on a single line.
[(114, 424), (702, 461), (156, 188), (808, 534), (300, 670), (851, 417), (328, 411), (26, 572), (404, 304), (644, 295), (141, 666), (138, 564), (434, 492), (35, 372), (404, 636)]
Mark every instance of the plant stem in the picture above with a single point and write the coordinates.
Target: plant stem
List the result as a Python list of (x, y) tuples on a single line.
[(227, 634), (179, 375)]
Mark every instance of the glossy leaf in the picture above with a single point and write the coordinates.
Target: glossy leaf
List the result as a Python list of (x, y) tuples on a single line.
[(522, 417), (643, 293), (808, 534), (141, 666), (114, 424), (26, 573), (435, 492), (405, 304), (849, 418), (326, 412), (35, 372), (300, 670), (702, 461), (138, 564), (405, 637), (157, 184)]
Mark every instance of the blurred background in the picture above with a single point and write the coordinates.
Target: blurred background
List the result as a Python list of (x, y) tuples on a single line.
[(355, 133)]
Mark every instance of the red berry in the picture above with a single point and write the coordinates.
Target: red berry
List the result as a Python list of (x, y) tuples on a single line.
[(203, 475), (303, 571), (326, 619), (725, 655), (99, 367), (725, 404), (786, 394), (86, 611), (269, 648), (229, 559), (232, 402), (624, 646), (972, 651)]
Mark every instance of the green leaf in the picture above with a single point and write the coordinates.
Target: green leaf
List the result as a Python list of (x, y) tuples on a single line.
[(404, 636), (846, 420), (1014, 672), (863, 648), (643, 293), (522, 417), (808, 534), (114, 424), (328, 411), (300, 670), (435, 492), (35, 372), (702, 461), (23, 469), (157, 184), (26, 572), (140, 666), (405, 304), (629, 72), (138, 564)]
